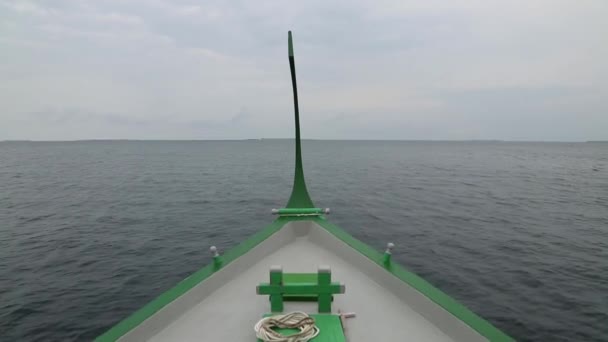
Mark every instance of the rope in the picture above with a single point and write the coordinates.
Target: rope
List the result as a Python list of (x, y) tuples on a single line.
[(294, 320)]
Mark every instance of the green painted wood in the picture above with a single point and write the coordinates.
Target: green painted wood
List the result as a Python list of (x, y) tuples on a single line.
[(299, 289), (276, 299), (325, 297), (386, 259), (276, 302), (301, 211), (324, 278), (305, 284), (292, 278), (330, 328), (298, 278), (276, 277), (299, 194)]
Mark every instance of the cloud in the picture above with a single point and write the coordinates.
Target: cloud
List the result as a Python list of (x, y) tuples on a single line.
[(120, 18), (26, 7), (387, 69)]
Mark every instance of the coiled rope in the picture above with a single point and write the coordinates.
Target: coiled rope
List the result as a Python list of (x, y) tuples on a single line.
[(293, 320)]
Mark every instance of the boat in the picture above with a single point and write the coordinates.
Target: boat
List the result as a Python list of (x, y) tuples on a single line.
[(303, 267)]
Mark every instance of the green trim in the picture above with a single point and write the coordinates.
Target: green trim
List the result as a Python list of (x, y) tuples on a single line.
[(386, 258), (185, 285), (467, 316), (300, 211)]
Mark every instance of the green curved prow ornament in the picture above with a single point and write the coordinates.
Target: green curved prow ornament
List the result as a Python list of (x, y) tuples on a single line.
[(299, 194)]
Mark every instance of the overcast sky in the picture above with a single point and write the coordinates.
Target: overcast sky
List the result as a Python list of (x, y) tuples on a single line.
[(160, 69)]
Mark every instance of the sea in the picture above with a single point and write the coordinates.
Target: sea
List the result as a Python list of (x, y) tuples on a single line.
[(90, 231)]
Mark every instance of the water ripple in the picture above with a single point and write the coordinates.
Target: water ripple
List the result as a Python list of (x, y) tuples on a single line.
[(91, 231)]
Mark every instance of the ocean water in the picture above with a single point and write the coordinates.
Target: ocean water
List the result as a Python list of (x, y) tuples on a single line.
[(91, 231)]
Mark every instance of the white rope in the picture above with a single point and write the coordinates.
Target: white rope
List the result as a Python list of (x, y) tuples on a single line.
[(293, 320)]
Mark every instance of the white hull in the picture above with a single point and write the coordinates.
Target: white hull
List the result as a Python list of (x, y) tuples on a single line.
[(225, 307)]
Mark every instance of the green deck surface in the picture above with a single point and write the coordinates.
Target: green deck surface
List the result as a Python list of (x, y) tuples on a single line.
[(330, 328)]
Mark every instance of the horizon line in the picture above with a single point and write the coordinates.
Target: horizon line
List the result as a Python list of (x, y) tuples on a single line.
[(312, 139)]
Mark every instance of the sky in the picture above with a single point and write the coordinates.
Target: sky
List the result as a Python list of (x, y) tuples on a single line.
[(413, 70)]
